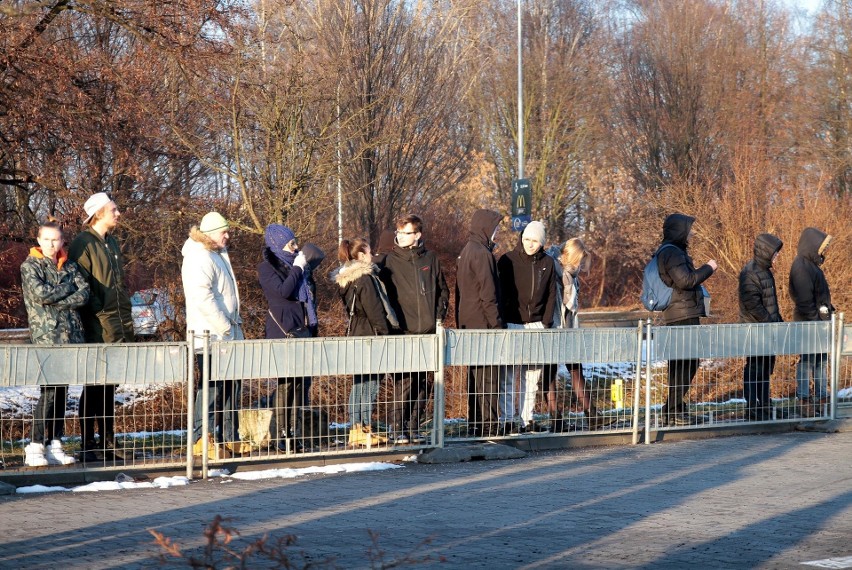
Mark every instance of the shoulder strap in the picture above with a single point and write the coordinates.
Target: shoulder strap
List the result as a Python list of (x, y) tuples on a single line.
[(351, 309)]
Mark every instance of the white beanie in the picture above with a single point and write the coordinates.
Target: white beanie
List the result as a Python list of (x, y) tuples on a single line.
[(535, 230)]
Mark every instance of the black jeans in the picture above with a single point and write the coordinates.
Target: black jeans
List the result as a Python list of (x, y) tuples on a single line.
[(97, 405), (483, 387), (681, 373), (756, 375), (410, 394), (291, 394), (49, 414)]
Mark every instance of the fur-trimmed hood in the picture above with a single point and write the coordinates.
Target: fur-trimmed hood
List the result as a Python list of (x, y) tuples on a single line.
[(352, 271), (202, 239)]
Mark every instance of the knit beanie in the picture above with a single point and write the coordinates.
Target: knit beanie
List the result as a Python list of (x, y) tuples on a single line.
[(277, 236), (213, 221), (535, 230)]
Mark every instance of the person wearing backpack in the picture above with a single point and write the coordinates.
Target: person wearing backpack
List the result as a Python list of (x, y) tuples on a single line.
[(759, 304), (685, 308), (369, 314)]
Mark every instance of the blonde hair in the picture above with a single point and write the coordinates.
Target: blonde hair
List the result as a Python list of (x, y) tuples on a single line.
[(575, 254)]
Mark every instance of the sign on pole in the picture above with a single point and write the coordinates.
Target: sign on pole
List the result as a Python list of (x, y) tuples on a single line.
[(521, 204)]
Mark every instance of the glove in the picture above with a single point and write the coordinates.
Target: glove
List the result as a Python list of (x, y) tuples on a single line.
[(300, 261)]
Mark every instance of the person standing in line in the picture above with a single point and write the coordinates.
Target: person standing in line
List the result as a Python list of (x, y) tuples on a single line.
[(213, 304), (361, 294), (685, 309), (419, 295), (106, 317), (570, 260), (282, 275), (812, 302), (759, 304), (478, 306), (53, 290), (528, 288)]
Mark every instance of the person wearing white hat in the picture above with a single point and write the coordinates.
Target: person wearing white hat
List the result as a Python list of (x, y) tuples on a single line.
[(213, 304), (106, 317), (528, 287)]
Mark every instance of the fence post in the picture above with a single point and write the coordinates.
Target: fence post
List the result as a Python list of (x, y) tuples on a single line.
[(438, 404), (205, 403), (637, 383), (836, 340), (190, 401), (648, 353)]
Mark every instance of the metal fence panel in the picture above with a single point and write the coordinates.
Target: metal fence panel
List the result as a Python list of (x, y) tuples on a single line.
[(257, 359), (738, 340), (535, 346), (144, 363)]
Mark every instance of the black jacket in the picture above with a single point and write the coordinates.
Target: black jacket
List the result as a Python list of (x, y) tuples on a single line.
[(280, 284), (477, 284), (678, 272), (360, 295), (758, 298), (527, 286), (808, 286), (416, 288)]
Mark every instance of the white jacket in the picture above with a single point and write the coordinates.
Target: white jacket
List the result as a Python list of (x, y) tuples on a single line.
[(210, 288)]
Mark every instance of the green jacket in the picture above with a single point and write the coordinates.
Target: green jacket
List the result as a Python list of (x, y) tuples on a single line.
[(52, 294), (107, 316)]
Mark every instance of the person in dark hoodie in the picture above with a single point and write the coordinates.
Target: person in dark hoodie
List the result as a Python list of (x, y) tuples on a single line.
[(478, 307), (759, 304), (282, 275), (419, 295), (528, 288), (812, 298), (685, 309)]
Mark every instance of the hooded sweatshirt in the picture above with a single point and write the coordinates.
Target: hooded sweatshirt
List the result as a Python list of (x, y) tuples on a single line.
[(678, 272), (210, 288), (808, 286), (758, 298), (477, 283)]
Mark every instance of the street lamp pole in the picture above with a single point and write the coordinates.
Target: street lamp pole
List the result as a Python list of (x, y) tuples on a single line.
[(520, 100)]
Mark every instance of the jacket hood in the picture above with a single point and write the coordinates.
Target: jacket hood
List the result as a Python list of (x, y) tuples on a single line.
[(812, 244), (197, 239), (676, 228), (352, 271), (765, 246), (61, 257), (313, 254), (386, 242), (482, 226), (410, 252)]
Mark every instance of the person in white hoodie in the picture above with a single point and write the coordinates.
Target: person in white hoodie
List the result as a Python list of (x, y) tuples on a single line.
[(213, 304)]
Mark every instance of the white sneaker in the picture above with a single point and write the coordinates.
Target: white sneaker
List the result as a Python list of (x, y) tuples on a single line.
[(55, 455), (34, 455)]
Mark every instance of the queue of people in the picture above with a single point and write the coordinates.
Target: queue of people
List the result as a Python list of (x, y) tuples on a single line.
[(80, 296)]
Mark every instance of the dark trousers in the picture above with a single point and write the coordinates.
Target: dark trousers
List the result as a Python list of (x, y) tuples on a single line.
[(223, 408), (97, 405), (756, 375), (681, 373), (410, 394), (291, 394), (483, 388), (49, 414)]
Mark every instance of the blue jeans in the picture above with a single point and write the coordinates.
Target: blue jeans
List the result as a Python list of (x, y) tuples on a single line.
[(811, 365), (365, 388), (223, 408)]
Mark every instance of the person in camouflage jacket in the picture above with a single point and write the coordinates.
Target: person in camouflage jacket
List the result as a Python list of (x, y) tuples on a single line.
[(53, 290)]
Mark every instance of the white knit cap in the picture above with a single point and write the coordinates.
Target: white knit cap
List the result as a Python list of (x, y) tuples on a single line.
[(213, 221), (535, 230)]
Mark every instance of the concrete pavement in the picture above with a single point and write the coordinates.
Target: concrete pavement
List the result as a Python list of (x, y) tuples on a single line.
[(756, 501)]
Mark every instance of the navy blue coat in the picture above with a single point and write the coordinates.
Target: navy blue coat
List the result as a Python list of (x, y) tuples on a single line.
[(280, 285)]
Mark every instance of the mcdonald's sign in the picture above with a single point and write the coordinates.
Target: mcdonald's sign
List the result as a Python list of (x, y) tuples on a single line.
[(521, 204)]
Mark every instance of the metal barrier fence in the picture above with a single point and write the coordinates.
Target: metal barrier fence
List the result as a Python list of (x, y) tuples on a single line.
[(298, 397)]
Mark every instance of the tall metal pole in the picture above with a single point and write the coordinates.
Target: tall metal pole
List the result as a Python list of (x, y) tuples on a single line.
[(520, 100), (339, 174)]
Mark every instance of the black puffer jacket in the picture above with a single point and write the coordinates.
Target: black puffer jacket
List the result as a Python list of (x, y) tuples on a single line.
[(678, 272), (360, 296), (528, 286), (416, 288), (758, 298), (477, 284), (808, 287)]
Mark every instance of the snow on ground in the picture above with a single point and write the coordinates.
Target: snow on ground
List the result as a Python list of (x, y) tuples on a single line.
[(123, 482)]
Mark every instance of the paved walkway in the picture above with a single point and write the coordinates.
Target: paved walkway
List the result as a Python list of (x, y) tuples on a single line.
[(759, 501)]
